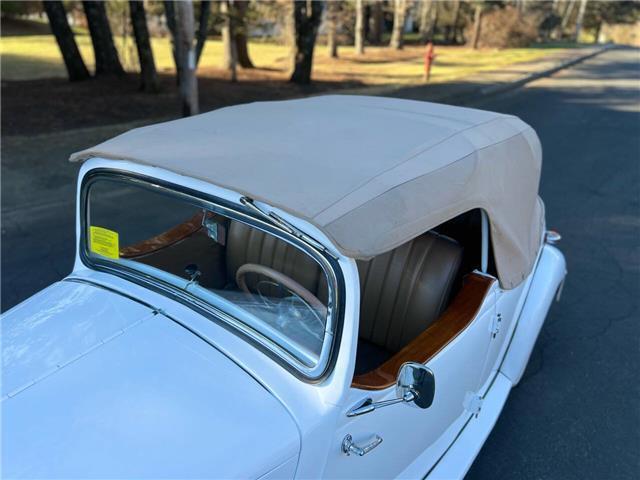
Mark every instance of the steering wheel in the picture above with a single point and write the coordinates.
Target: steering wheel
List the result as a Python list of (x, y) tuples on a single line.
[(308, 298)]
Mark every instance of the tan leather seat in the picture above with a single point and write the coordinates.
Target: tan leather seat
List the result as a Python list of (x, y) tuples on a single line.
[(403, 291), (249, 245)]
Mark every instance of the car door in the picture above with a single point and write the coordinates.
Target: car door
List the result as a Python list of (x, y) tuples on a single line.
[(508, 304), (410, 434)]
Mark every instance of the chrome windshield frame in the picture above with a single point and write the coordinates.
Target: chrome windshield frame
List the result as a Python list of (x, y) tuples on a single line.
[(238, 212)]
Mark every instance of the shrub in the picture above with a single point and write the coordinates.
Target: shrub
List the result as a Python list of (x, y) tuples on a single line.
[(506, 28), (622, 34)]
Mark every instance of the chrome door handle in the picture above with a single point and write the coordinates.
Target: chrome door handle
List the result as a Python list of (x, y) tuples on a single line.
[(348, 447)]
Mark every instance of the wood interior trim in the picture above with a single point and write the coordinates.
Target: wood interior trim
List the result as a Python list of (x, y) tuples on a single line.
[(460, 313), (164, 240)]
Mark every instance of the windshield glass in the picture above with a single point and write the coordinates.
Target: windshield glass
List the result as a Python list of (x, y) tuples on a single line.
[(271, 286)]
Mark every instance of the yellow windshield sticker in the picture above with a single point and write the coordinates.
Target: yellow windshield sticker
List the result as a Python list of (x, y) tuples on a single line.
[(104, 242)]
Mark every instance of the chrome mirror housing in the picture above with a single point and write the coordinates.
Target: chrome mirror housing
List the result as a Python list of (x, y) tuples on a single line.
[(415, 384), (416, 381)]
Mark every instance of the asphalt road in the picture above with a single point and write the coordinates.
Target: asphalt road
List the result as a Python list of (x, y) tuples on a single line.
[(576, 413)]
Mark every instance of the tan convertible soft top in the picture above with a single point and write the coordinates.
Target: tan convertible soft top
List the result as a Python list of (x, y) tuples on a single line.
[(370, 172)]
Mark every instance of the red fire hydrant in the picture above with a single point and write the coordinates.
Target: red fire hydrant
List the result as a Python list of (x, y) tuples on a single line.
[(429, 56)]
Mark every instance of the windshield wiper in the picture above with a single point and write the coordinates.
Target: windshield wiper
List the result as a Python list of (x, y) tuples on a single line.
[(286, 226)]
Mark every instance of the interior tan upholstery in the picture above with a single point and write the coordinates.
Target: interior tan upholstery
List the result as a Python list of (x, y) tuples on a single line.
[(249, 245), (403, 291)]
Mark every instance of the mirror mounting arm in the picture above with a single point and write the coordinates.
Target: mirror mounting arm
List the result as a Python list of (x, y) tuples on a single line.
[(370, 406), (415, 384)]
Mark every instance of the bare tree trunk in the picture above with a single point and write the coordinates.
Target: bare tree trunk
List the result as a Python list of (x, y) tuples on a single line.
[(566, 16), (434, 23), (399, 15), (307, 16), (241, 33), (426, 15), (148, 74), (596, 38), (242, 51), (76, 69), (227, 44), (376, 23), (170, 14), (453, 32), (580, 19), (229, 58), (359, 30), (477, 25), (186, 57), (203, 28), (290, 32), (106, 55), (333, 12), (332, 41), (558, 7)]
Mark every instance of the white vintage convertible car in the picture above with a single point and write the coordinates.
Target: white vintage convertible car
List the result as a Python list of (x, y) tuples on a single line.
[(335, 287)]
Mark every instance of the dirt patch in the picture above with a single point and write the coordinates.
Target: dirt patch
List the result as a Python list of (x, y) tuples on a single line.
[(50, 105)]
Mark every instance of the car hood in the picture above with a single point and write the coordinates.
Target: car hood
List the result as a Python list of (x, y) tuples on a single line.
[(99, 385)]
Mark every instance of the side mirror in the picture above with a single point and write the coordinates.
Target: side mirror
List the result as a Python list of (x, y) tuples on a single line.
[(415, 384), (416, 380)]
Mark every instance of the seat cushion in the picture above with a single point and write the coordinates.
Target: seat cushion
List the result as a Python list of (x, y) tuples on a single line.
[(403, 291)]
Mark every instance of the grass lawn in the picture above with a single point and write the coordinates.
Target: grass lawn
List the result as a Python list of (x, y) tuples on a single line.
[(28, 57)]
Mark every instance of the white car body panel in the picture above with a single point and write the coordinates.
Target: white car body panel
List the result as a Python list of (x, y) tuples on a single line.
[(401, 446), (459, 458), (57, 326), (284, 427), (148, 400), (547, 283), (509, 305), (506, 303), (544, 282), (285, 470)]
